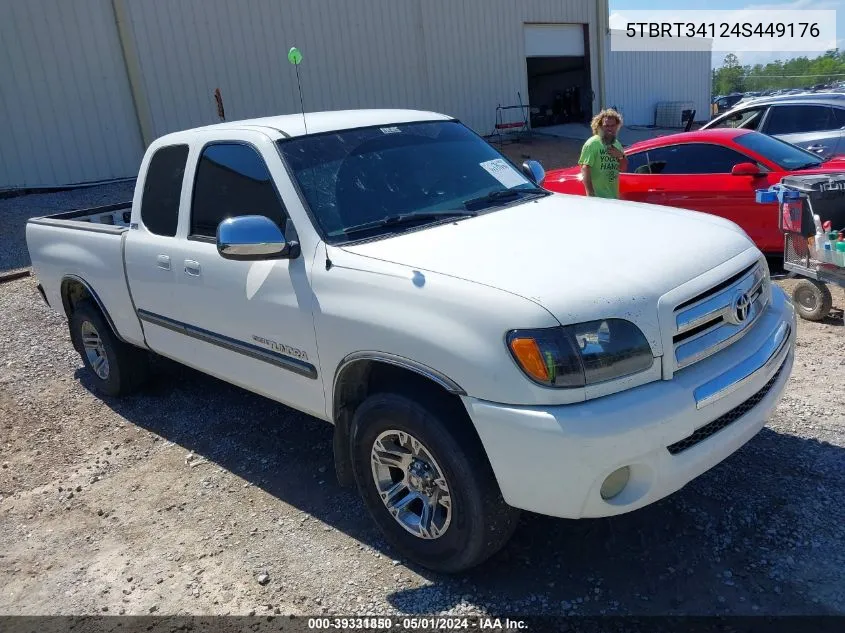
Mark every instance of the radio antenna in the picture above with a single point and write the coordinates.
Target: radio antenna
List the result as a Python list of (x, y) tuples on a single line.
[(295, 58)]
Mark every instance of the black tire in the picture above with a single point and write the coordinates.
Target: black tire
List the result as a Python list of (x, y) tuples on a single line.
[(481, 521), (812, 299), (128, 366)]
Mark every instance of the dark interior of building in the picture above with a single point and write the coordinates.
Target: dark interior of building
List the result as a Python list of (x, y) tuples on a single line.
[(558, 90)]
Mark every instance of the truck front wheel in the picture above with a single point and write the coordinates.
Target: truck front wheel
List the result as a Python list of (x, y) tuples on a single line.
[(427, 484), (117, 368)]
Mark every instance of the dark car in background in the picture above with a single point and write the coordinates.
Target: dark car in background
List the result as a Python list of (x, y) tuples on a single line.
[(726, 102)]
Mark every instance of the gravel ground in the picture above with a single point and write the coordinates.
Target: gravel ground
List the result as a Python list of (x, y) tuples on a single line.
[(195, 497)]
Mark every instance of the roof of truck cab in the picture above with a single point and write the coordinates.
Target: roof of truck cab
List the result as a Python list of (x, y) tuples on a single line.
[(290, 125)]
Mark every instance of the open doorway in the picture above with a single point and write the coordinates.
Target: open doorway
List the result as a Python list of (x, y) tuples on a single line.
[(558, 89), (558, 68)]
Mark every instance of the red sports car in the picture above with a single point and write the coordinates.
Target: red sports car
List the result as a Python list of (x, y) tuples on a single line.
[(715, 171)]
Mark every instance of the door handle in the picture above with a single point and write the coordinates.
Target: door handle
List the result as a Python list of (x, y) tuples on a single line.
[(163, 262), (192, 268), (657, 190)]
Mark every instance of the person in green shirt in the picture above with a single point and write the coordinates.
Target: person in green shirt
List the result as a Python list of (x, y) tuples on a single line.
[(602, 156)]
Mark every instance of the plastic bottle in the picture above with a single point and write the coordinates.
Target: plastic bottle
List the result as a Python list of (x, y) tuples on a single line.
[(821, 239), (828, 257), (832, 238), (840, 253)]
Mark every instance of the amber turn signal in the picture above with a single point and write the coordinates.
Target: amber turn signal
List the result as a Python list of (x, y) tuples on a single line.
[(527, 352)]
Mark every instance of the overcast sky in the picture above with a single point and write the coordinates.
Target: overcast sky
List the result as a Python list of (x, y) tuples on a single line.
[(745, 57)]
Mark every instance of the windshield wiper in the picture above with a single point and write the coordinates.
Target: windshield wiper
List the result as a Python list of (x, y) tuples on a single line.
[(406, 218), (807, 166), (499, 195)]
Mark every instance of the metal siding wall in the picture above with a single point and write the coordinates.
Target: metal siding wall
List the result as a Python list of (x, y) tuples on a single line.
[(355, 56), (66, 113), (462, 58), (475, 52), (67, 110), (637, 81)]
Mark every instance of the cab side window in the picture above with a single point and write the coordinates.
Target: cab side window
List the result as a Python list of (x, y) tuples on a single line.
[(690, 158), (163, 190), (637, 163), (749, 119), (232, 180)]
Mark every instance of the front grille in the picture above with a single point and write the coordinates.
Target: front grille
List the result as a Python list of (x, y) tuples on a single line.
[(725, 420), (717, 288), (709, 321)]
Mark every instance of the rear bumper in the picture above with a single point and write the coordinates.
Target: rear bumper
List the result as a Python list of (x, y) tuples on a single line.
[(553, 460)]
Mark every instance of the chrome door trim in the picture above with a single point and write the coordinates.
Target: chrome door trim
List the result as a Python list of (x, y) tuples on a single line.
[(295, 365)]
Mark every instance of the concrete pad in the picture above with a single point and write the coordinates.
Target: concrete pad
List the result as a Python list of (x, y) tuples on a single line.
[(582, 131)]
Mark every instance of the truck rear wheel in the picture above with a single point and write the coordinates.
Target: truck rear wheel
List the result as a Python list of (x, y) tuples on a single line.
[(427, 484), (117, 368)]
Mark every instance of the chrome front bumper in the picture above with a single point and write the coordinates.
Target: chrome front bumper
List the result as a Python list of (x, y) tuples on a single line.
[(765, 361)]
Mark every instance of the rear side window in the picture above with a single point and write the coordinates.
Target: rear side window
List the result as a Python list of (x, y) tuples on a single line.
[(162, 190), (232, 180), (798, 119)]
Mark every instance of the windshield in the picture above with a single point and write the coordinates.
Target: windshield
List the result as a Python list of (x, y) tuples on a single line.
[(361, 177), (785, 155)]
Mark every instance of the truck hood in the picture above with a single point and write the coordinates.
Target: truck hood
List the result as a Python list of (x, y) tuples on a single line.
[(580, 258)]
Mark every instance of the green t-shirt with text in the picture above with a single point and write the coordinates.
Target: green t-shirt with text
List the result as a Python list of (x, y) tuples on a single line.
[(604, 169)]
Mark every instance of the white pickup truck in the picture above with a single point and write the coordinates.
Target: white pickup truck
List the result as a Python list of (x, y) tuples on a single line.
[(480, 344)]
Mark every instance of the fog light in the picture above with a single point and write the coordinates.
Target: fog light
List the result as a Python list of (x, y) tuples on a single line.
[(615, 483)]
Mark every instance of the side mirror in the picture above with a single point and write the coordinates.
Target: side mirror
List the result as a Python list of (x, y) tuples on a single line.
[(534, 170), (746, 169), (253, 237)]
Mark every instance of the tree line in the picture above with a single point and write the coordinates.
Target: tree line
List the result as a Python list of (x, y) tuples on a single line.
[(799, 72)]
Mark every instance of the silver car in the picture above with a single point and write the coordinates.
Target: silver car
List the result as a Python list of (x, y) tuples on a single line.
[(815, 122)]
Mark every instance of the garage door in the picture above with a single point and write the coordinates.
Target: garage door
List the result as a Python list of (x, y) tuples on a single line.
[(554, 40)]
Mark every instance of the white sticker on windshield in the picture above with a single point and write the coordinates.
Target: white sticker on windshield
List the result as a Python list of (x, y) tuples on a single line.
[(390, 130), (504, 173)]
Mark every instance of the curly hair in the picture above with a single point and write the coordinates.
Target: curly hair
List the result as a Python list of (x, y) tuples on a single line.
[(595, 124)]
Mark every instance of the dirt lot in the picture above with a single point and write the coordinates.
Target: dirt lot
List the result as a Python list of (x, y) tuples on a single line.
[(553, 153), (180, 499)]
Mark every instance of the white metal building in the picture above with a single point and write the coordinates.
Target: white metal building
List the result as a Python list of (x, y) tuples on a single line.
[(637, 81), (85, 85)]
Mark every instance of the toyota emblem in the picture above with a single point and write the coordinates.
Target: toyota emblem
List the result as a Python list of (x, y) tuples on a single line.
[(742, 307)]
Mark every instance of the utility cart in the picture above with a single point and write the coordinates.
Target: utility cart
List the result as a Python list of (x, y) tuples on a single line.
[(800, 199)]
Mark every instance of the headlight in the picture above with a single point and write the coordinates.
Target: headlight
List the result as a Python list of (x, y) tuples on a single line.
[(582, 354)]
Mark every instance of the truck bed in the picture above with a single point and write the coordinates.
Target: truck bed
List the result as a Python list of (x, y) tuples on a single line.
[(86, 246), (112, 218)]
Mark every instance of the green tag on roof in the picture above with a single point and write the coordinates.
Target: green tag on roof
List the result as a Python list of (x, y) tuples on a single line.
[(294, 56)]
